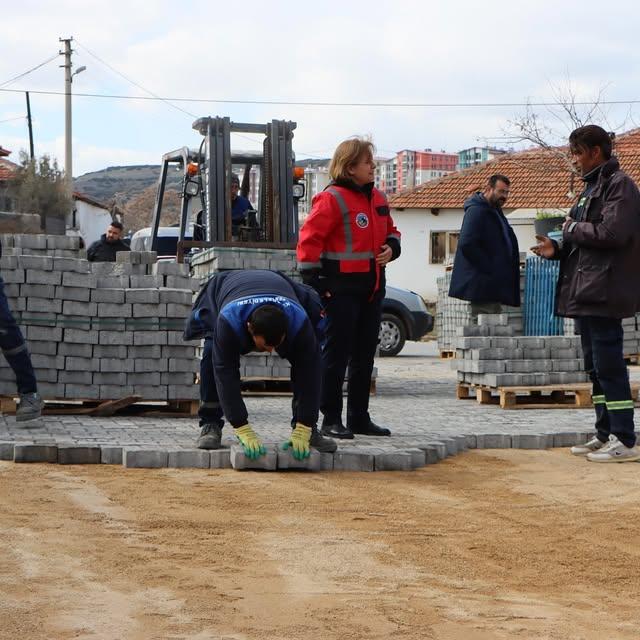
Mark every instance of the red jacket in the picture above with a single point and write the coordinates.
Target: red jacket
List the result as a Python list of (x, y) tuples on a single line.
[(342, 236)]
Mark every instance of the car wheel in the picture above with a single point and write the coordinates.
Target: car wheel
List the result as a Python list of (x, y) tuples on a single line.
[(392, 335)]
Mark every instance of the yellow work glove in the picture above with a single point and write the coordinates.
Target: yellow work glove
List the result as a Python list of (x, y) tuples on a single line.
[(299, 442), (250, 442)]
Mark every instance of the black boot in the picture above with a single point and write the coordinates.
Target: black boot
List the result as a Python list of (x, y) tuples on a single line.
[(371, 429), (210, 436), (323, 445), (336, 430)]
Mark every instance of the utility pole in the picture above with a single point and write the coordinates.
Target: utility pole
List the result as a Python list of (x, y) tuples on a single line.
[(31, 154), (68, 78)]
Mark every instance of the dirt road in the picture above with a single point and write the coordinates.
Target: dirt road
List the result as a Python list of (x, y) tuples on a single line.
[(486, 546)]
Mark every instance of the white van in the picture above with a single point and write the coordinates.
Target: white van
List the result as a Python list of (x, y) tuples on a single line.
[(167, 241)]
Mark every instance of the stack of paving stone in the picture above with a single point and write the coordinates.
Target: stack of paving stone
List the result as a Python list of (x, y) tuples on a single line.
[(489, 354), (99, 331), (452, 314)]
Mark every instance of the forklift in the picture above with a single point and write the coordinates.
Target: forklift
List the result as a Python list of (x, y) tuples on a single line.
[(206, 188)]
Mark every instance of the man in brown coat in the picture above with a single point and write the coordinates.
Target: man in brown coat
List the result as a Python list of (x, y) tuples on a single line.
[(599, 284)]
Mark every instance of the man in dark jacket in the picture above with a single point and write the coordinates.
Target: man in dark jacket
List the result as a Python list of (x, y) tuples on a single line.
[(105, 249), (258, 310), (599, 285), (486, 268)]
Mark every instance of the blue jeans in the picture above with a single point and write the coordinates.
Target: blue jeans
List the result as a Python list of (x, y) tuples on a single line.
[(14, 348), (604, 362)]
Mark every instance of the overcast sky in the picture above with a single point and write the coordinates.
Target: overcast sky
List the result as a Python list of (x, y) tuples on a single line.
[(460, 51)]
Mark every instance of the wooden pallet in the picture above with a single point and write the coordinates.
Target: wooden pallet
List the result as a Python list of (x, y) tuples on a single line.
[(558, 396), (447, 355), (129, 405)]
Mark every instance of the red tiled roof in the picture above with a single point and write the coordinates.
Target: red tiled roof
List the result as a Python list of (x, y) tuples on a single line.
[(7, 169), (539, 179)]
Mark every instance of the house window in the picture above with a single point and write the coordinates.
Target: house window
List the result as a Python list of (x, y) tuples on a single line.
[(443, 246)]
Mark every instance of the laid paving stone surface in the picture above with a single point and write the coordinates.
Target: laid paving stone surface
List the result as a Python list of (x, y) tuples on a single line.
[(416, 399)]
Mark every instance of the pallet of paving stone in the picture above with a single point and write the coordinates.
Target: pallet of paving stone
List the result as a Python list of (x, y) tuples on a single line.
[(129, 405), (256, 387), (560, 396)]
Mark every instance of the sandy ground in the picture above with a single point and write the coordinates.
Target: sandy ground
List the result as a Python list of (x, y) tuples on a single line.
[(485, 546)]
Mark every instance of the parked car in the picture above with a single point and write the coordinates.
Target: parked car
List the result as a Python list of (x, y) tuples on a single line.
[(404, 317)]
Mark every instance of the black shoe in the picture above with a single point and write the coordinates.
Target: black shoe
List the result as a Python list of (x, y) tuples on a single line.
[(210, 436), (337, 430), (323, 445), (372, 429)]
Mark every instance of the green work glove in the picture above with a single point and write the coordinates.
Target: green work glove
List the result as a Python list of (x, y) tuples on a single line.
[(299, 442), (250, 442)]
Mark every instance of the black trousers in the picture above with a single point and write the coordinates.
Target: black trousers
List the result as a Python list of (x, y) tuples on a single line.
[(603, 359), (353, 324)]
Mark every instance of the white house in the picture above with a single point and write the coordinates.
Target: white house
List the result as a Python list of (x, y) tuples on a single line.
[(430, 215), (89, 218)]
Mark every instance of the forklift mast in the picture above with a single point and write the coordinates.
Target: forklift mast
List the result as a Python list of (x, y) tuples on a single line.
[(207, 176)]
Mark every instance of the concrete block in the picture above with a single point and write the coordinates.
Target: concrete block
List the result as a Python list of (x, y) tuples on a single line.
[(51, 391), (140, 365), (176, 296), (502, 379), (186, 351), (115, 378), (142, 338), (178, 310), (149, 392), (47, 362), (496, 354), (16, 276), (30, 241), (144, 324), (144, 458), (508, 342), (41, 263), (79, 294), (109, 351), (47, 291), (115, 338), (183, 392), (110, 455), (174, 338), (530, 441), (113, 310), (153, 378), (148, 351), (74, 308), (568, 365), (570, 438), (35, 453), (81, 336), (71, 264), (43, 347), (146, 282), (220, 459), (537, 354), (9, 262), (480, 342), (184, 378), (128, 257), (180, 282), (472, 442), (115, 391), (287, 461), (111, 296), (530, 342), (558, 342), (52, 334), (483, 366), (78, 454), (189, 459), (6, 450), (564, 354), (72, 279), (267, 462), (113, 365), (182, 365), (112, 282), (352, 459), (493, 441), (170, 269), (81, 392), (499, 331), (493, 319), (44, 306), (141, 310), (393, 461), (473, 330), (73, 377), (150, 258), (71, 243), (75, 349), (142, 296), (13, 290)]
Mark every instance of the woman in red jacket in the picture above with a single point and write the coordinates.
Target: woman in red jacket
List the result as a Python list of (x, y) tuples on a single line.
[(344, 246)]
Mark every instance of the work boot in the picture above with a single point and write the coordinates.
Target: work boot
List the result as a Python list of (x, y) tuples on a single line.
[(614, 451), (321, 444), (30, 407), (336, 430), (371, 429), (210, 436), (588, 447)]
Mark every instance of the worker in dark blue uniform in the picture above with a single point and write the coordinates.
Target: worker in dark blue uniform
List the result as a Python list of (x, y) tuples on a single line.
[(258, 310)]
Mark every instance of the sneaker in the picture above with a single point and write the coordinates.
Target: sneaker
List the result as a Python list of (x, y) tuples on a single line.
[(30, 407), (614, 451), (210, 436), (588, 447), (322, 444)]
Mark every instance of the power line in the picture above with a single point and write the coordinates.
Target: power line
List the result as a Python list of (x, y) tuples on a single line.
[(22, 75), (133, 82), (12, 119), (300, 103)]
